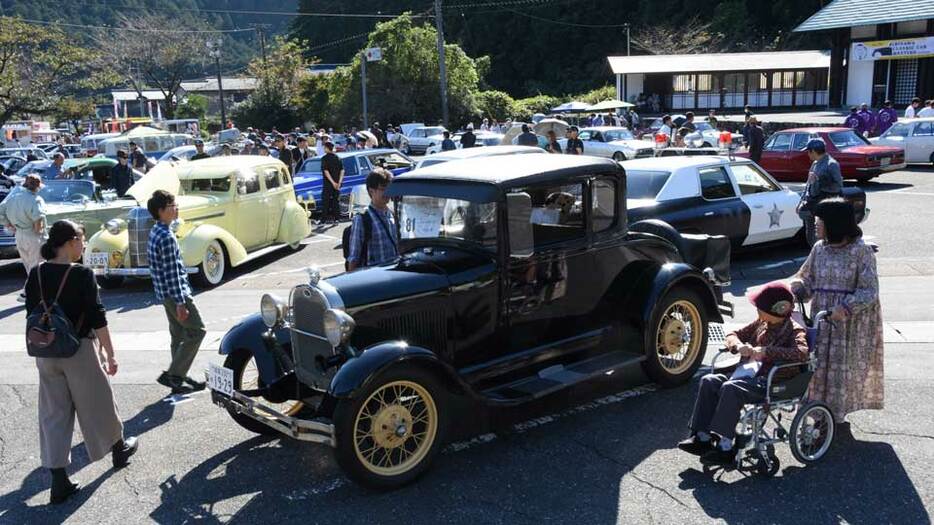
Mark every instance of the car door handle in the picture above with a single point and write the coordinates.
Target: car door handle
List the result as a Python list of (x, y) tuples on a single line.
[(708, 214), (758, 206)]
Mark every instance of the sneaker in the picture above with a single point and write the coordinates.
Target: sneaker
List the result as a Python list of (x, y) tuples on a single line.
[(718, 456), (693, 445), (122, 451)]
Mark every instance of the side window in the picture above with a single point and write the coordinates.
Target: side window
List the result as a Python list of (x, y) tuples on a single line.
[(779, 142), (350, 166), (557, 214), (750, 180), (924, 129), (597, 136), (247, 182), (603, 205), (151, 144), (715, 184), (800, 141), (286, 180), (271, 176), (364, 165), (585, 135)]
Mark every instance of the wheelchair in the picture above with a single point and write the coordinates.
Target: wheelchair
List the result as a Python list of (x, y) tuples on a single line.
[(812, 427)]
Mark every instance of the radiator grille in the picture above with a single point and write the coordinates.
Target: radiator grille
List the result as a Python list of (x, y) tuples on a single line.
[(428, 329), (139, 223), (309, 347)]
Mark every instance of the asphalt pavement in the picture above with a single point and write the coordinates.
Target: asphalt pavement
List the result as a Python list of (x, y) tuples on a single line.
[(602, 453)]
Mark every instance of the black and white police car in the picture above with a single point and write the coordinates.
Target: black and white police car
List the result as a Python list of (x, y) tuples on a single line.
[(718, 195)]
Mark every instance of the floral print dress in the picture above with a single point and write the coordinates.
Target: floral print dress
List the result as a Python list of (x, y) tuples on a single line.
[(849, 374)]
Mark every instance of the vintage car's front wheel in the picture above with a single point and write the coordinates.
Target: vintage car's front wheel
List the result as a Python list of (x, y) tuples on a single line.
[(246, 377), (388, 435), (212, 266), (676, 338)]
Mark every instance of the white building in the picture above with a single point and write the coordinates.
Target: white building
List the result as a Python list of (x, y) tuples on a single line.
[(880, 50)]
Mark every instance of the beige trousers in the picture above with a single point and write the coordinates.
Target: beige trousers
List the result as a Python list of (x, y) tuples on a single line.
[(76, 384), (29, 244)]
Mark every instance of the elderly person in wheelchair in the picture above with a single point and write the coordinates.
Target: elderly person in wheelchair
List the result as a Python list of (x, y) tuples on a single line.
[(771, 339)]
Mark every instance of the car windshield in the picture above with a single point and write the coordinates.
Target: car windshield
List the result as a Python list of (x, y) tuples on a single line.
[(431, 162), (490, 141), (182, 153), (429, 132), (34, 166), (67, 191), (617, 134), (449, 218), (312, 165), (390, 160), (897, 130), (643, 184), (703, 126), (847, 139), (206, 185)]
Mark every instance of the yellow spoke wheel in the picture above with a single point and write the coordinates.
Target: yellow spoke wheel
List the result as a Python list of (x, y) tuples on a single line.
[(395, 428), (678, 336)]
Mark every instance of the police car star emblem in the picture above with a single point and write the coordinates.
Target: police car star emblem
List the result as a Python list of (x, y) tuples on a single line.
[(775, 216)]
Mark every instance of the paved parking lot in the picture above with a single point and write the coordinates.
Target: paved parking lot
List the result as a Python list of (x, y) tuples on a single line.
[(602, 453)]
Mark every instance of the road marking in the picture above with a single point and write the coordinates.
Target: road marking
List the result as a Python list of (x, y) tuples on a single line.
[(283, 272), (781, 263), (904, 192)]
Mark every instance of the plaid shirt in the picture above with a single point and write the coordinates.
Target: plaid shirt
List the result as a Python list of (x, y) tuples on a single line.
[(382, 247), (169, 278)]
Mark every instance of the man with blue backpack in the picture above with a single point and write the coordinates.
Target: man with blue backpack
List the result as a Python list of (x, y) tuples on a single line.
[(372, 238)]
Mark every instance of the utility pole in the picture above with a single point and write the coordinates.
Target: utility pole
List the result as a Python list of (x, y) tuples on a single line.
[(363, 61), (214, 50), (627, 38), (439, 25)]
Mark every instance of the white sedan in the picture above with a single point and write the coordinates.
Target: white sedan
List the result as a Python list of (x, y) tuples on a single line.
[(613, 142), (484, 138), (420, 139), (915, 136)]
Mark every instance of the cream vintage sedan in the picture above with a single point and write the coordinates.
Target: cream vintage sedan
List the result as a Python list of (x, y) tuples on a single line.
[(231, 210)]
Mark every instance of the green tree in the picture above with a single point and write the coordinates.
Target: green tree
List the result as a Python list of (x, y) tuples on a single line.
[(72, 110), (526, 107), (40, 68), (497, 105), (194, 106), (403, 85), (281, 77)]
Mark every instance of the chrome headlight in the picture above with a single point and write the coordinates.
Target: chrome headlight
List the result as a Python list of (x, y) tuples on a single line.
[(115, 226), (272, 309), (338, 326)]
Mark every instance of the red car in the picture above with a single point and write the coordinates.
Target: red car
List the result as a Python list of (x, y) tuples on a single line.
[(785, 158)]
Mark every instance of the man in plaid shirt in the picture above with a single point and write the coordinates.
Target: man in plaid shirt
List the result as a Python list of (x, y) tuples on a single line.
[(377, 242), (170, 282)]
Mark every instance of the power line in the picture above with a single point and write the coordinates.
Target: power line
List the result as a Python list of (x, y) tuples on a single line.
[(560, 23), (499, 4), (255, 12), (133, 29)]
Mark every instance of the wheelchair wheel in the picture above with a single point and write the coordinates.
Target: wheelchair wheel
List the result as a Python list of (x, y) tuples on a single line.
[(811, 432), (768, 463)]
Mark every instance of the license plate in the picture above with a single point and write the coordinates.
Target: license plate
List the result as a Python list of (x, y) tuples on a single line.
[(97, 260), (220, 379), (885, 162)]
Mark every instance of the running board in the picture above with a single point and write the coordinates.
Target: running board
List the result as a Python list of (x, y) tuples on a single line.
[(557, 377), (261, 252)]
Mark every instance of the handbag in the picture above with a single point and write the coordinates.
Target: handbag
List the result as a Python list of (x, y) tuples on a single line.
[(49, 332)]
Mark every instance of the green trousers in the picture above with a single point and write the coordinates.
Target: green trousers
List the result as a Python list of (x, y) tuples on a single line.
[(186, 336)]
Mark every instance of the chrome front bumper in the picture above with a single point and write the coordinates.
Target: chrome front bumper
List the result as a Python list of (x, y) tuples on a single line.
[(131, 272), (301, 429), (883, 169)]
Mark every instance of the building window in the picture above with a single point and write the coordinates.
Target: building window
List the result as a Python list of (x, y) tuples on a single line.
[(906, 78), (683, 83)]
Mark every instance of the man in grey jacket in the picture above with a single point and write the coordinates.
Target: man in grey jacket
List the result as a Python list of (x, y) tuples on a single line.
[(824, 182), (23, 211)]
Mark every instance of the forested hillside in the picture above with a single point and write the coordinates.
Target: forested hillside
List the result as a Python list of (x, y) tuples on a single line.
[(560, 46), (212, 14)]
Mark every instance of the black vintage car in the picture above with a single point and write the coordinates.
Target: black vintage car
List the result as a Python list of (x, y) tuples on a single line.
[(519, 276)]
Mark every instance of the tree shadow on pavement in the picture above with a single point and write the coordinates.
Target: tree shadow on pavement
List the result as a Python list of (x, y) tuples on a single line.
[(13, 504), (856, 482)]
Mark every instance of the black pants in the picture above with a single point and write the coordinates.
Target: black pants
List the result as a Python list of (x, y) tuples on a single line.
[(331, 206), (720, 400)]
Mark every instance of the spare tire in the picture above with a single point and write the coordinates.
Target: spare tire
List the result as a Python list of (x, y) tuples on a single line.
[(661, 229)]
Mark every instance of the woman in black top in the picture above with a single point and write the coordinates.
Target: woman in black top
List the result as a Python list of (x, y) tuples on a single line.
[(76, 384)]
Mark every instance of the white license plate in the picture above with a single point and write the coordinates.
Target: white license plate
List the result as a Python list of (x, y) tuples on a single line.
[(220, 379), (885, 161), (97, 260)]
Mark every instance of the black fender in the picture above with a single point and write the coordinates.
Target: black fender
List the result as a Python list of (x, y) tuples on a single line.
[(248, 334), (671, 275), (357, 373)]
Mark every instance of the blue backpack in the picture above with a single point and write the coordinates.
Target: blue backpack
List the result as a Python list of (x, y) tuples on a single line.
[(49, 332)]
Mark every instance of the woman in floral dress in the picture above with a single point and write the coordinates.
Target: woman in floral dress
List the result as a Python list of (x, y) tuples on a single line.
[(840, 276)]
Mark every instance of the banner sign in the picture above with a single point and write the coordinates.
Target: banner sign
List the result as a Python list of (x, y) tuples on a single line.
[(893, 49)]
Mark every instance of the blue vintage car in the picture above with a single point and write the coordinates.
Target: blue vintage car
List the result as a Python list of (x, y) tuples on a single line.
[(357, 165)]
